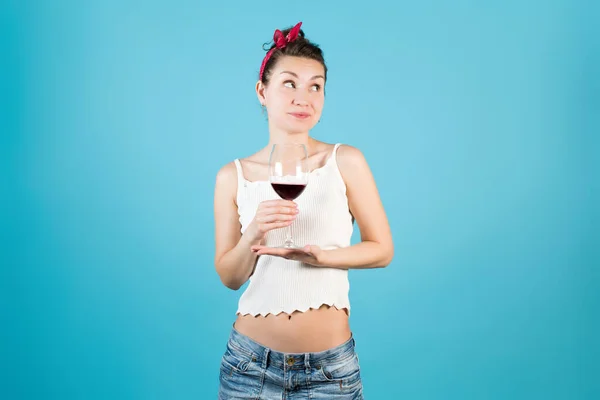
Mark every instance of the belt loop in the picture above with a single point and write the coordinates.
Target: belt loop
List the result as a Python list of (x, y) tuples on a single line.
[(307, 362), (265, 357)]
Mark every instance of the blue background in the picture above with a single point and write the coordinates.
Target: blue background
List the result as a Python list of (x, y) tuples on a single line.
[(480, 121)]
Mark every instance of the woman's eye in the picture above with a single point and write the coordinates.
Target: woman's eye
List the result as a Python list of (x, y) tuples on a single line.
[(288, 84), (316, 88)]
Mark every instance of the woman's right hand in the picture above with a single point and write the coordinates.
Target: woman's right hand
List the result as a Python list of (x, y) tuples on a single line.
[(271, 214)]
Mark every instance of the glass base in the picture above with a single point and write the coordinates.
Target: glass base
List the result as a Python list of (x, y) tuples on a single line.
[(289, 246)]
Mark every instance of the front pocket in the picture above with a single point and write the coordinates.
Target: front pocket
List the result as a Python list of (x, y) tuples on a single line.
[(232, 363), (345, 371), (239, 378)]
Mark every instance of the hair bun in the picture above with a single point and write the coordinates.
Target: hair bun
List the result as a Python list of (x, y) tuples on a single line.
[(289, 42)]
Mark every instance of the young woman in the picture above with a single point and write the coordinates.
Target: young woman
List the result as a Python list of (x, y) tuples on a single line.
[(292, 338)]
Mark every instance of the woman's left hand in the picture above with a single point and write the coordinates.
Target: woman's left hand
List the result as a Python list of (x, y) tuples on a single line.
[(308, 254)]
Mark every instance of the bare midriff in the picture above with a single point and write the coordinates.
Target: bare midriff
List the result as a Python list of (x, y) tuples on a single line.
[(299, 332)]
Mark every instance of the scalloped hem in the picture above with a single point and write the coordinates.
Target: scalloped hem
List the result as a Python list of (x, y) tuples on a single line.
[(292, 310)]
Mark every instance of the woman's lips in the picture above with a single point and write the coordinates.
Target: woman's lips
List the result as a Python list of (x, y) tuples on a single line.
[(300, 115)]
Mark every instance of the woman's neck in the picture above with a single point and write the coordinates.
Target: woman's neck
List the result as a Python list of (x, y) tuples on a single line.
[(281, 137)]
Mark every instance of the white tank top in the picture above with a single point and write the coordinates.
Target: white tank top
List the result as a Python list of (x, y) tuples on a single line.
[(280, 285)]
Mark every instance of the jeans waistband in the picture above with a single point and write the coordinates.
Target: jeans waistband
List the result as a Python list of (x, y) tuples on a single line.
[(240, 343)]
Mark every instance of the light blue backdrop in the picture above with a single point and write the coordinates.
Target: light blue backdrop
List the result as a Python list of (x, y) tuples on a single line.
[(479, 122)]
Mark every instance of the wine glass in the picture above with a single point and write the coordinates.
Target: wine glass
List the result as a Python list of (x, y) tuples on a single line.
[(288, 174)]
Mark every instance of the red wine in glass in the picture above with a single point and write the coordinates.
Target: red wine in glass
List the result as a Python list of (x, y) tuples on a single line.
[(288, 191), (288, 174)]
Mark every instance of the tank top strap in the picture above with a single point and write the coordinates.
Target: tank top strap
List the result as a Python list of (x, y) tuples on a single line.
[(336, 168), (240, 173), (334, 152)]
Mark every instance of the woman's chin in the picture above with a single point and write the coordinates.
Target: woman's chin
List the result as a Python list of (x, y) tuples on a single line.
[(300, 127)]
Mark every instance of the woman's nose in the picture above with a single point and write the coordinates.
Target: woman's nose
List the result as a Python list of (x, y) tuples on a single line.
[(301, 98)]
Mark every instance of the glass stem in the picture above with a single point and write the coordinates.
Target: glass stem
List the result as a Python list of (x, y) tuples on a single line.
[(289, 242)]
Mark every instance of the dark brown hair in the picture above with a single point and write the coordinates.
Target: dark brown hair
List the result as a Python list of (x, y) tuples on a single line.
[(301, 47)]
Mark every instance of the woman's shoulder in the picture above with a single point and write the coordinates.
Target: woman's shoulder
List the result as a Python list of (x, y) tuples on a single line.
[(229, 171), (348, 154), (351, 164), (226, 179)]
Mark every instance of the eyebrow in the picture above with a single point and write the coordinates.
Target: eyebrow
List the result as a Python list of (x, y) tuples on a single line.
[(296, 75)]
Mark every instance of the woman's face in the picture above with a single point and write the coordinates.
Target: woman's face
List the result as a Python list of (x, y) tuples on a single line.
[(294, 96)]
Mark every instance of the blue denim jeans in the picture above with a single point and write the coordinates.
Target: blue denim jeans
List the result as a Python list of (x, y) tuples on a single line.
[(250, 370)]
